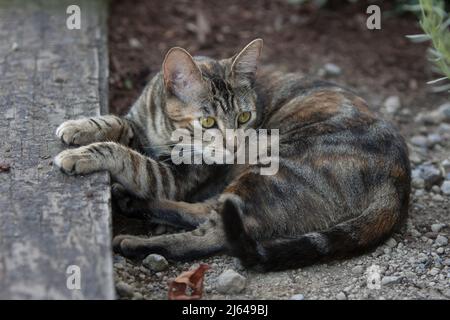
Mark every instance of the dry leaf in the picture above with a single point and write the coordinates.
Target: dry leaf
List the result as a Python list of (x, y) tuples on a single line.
[(192, 280), (4, 167)]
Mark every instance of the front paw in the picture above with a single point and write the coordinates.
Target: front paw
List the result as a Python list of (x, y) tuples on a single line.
[(79, 132), (76, 161)]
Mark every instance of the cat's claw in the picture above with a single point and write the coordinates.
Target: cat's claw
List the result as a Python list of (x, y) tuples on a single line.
[(77, 132), (75, 161)]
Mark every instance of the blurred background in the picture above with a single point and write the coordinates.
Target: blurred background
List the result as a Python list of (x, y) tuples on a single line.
[(321, 38)]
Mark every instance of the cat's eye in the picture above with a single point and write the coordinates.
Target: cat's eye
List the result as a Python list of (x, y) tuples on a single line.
[(207, 122), (244, 117)]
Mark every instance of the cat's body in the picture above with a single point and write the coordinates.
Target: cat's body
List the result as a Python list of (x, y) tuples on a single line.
[(342, 185)]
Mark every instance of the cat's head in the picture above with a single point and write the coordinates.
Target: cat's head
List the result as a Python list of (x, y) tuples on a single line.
[(203, 93)]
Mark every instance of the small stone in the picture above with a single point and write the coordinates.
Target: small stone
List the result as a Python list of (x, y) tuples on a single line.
[(436, 227), (444, 111), (445, 188), (429, 173), (124, 290), (415, 158), (446, 165), (358, 270), (419, 141), (231, 282), (418, 183), (434, 271), (414, 232), (134, 43), (392, 104), (440, 250), (441, 241), (436, 189), (341, 296), (437, 198), (332, 69), (155, 262), (388, 280), (419, 193), (298, 297), (138, 296), (441, 114), (446, 262), (391, 243), (434, 139)]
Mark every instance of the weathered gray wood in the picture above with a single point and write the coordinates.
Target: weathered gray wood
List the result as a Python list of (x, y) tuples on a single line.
[(49, 221)]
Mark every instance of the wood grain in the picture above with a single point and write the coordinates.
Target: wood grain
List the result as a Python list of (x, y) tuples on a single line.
[(49, 221)]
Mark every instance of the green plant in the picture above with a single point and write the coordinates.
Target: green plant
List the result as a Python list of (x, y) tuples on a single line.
[(435, 22)]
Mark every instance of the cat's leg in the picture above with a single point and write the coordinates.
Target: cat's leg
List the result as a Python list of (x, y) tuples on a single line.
[(140, 175), (96, 129), (206, 240), (177, 214)]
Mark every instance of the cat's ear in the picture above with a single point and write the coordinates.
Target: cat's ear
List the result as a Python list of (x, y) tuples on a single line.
[(182, 77), (245, 63)]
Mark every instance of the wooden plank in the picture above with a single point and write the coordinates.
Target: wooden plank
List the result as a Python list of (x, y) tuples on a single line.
[(49, 221)]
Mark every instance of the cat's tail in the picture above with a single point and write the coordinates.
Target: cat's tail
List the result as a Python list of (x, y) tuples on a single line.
[(348, 238)]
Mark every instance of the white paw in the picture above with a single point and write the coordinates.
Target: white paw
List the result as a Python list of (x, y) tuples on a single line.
[(79, 132), (76, 161)]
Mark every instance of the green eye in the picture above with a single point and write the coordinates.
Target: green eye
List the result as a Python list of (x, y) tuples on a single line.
[(207, 122), (244, 117)]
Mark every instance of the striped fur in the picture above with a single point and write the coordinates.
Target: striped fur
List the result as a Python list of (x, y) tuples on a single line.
[(343, 182)]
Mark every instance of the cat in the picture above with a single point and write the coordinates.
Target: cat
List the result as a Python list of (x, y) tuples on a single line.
[(342, 185)]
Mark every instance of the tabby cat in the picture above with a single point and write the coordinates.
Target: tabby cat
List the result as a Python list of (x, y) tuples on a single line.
[(342, 186)]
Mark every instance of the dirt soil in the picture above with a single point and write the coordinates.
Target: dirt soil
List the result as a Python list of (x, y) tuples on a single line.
[(377, 64)]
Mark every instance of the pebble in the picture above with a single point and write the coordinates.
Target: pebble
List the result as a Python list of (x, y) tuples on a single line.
[(124, 290), (138, 296), (418, 183), (433, 139), (392, 104), (445, 188), (436, 227), (439, 115), (331, 69), (441, 241), (446, 262), (446, 165), (391, 243), (358, 270), (436, 189), (388, 280), (434, 271), (341, 296), (444, 111), (134, 43), (429, 173), (155, 262), (298, 297), (420, 141), (231, 282)]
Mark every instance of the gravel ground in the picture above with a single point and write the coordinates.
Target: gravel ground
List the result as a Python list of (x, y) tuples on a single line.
[(383, 67), (413, 264)]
